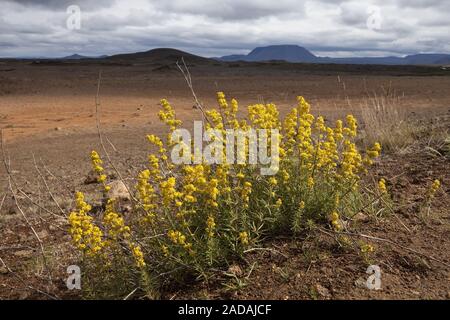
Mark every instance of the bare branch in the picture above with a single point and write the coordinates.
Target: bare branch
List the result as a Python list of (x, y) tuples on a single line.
[(187, 76), (100, 137), (46, 186), (10, 179)]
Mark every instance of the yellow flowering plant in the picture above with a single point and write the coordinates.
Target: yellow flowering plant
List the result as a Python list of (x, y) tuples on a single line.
[(191, 217)]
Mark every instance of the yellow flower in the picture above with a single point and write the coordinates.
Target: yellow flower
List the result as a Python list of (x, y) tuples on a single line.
[(114, 222), (167, 115), (210, 226), (335, 221), (98, 168), (278, 203), (243, 237), (434, 188), (367, 248), (138, 255), (273, 181), (168, 191), (310, 182), (382, 186), (351, 129), (86, 236), (165, 250)]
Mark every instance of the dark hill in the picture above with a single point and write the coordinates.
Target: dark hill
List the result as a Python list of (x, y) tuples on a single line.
[(159, 56)]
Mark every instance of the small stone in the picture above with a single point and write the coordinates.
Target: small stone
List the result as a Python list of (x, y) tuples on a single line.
[(322, 291), (58, 129), (118, 191), (235, 269), (3, 270), (361, 217), (43, 234)]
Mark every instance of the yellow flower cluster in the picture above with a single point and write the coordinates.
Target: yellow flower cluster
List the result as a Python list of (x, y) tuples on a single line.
[(304, 131), (229, 112), (117, 231), (336, 221), (98, 168), (203, 208), (382, 186), (180, 239), (351, 129), (264, 116), (138, 256), (158, 143), (372, 153), (167, 115), (243, 237), (146, 194), (114, 222), (367, 248), (154, 167), (434, 188), (86, 236), (169, 192), (210, 225), (195, 183), (246, 190)]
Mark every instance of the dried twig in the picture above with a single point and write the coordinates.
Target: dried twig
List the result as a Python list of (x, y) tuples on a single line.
[(10, 182), (130, 294), (70, 191), (266, 249), (1, 203), (187, 76), (100, 137), (46, 186)]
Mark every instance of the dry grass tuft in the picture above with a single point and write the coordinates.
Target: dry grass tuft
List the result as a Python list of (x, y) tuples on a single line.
[(387, 122)]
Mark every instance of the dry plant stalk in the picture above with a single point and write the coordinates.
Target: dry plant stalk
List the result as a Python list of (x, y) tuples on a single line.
[(387, 122)]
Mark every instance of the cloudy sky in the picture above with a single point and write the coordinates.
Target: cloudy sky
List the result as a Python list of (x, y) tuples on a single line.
[(220, 27)]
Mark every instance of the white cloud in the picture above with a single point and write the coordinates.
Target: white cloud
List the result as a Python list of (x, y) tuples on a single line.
[(213, 28)]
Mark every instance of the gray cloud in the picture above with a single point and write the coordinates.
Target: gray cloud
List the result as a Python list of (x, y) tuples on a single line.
[(213, 28), (231, 9), (62, 4)]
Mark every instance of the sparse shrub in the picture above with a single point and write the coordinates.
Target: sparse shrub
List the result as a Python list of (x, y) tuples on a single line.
[(387, 122), (189, 219)]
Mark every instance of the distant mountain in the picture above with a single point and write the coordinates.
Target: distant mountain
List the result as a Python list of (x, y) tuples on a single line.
[(290, 53), (78, 57), (160, 56), (233, 57), (294, 53)]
